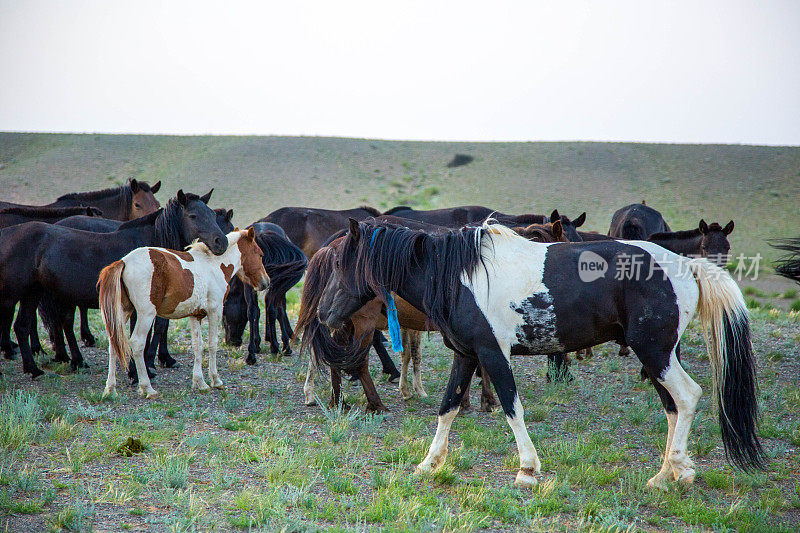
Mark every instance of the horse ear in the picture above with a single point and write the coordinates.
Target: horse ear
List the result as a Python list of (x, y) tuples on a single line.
[(558, 231), (643, 202), (181, 197), (207, 196), (578, 222), (354, 231), (251, 233), (154, 189), (229, 215), (554, 215), (728, 228), (134, 186), (703, 227)]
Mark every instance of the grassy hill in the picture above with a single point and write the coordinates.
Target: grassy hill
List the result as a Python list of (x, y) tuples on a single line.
[(757, 186)]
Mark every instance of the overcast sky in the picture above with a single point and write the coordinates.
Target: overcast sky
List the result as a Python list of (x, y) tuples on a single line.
[(693, 71)]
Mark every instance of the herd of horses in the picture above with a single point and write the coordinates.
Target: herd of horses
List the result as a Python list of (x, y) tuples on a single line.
[(494, 285)]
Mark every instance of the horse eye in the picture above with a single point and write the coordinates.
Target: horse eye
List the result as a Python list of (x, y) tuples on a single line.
[(192, 216), (137, 206)]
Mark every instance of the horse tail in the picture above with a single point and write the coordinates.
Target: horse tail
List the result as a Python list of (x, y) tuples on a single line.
[(632, 230), (50, 314), (347, 356), (788, 266), (726, 325), (113, 302)]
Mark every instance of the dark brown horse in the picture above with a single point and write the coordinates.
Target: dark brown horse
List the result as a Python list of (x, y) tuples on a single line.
[(636, 222), (309, 228), (707, 240), (126, 202), (36, 258)]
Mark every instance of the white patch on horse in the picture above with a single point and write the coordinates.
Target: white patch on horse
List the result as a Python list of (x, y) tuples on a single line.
[(506, 291)]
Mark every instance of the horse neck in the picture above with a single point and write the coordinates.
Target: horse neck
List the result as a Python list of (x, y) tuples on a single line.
[(232, 256), (113, 206), (689, 245)]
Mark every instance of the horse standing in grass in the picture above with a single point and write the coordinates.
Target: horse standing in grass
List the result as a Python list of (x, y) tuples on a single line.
[(173, 284), (493, 293)]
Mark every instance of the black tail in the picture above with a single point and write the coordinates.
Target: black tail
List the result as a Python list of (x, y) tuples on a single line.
[(632, 230), (282, 278), (348, 356), (738, 395), (50, 314), (788, 266)]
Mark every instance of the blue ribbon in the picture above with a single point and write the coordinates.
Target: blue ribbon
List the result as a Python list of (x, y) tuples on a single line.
[(391, 311)]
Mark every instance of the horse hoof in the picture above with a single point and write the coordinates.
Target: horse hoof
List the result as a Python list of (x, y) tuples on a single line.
[(310, 403), (110, 392), (287, 351), (169, 362), (35, 372), (376, 409), (89, 342), (394, 378), (201, 386), (217, 385), (251, 360), (9, 356), (525, 479), (657, 482)]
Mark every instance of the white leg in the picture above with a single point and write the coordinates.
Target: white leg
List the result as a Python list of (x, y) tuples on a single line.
[(529, 463), (659, 481), (414, 346), (144, 321), (405, 358), (686, 393), (111, 381), (198, 382), (308, 387), (438, 450), (213, 335)]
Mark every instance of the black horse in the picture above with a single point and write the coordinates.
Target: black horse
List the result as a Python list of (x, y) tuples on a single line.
[(285, 264), (636, 222), (706, 240), (126, 202), (492, 293), (36, 258)]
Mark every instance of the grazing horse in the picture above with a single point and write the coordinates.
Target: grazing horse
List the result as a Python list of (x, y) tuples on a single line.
[(126, 202), (636, 222), (309, 228), (37, 258), (493, 293), (709, 241), (173, 284), (285, 264)]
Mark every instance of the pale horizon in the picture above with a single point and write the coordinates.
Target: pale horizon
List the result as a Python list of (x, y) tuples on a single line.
[(717, 73)]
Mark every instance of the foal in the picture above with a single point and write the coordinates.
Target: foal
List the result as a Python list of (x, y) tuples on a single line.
[(160, 282)]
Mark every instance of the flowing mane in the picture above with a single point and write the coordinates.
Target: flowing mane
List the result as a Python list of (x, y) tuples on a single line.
[(123, 190), (387, 254), (168, 225)]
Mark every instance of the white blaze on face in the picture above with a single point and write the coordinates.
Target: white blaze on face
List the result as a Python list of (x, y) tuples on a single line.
[(514, 272)]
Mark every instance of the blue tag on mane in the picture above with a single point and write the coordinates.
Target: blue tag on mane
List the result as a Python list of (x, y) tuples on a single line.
[(391, 311)]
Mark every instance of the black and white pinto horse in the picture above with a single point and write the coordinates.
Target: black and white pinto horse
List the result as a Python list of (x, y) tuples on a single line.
[(493, 293)]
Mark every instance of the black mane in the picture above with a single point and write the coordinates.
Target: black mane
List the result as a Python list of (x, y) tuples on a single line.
[(122, 190), (387, 255), (146, 220), (788, 266), (168, 225), (681, 235), (284, 262)]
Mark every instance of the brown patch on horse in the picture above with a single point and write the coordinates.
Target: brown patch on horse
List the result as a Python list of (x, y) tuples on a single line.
[(200, 314), (186, 256), (252, 265), (171, 283), (227, 271)]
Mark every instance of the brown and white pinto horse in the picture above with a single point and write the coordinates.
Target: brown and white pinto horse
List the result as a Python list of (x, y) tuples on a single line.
[(172, 284)]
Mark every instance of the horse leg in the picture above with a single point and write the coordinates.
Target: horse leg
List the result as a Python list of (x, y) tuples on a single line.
[(460, 376), (624, 350), (405, 358), (36, 343), (6, 317), (308, 386), (86, 333), (111, 380), (414, 341), (286, 327), (22, 325), (336, 389), (198, 382), (164, 358), (374, 403), (68, 325), (488, 399), (383, 355), (143, 324), (213, 338), (271, 331), (253, 316), (558, 369), (497, 368)]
